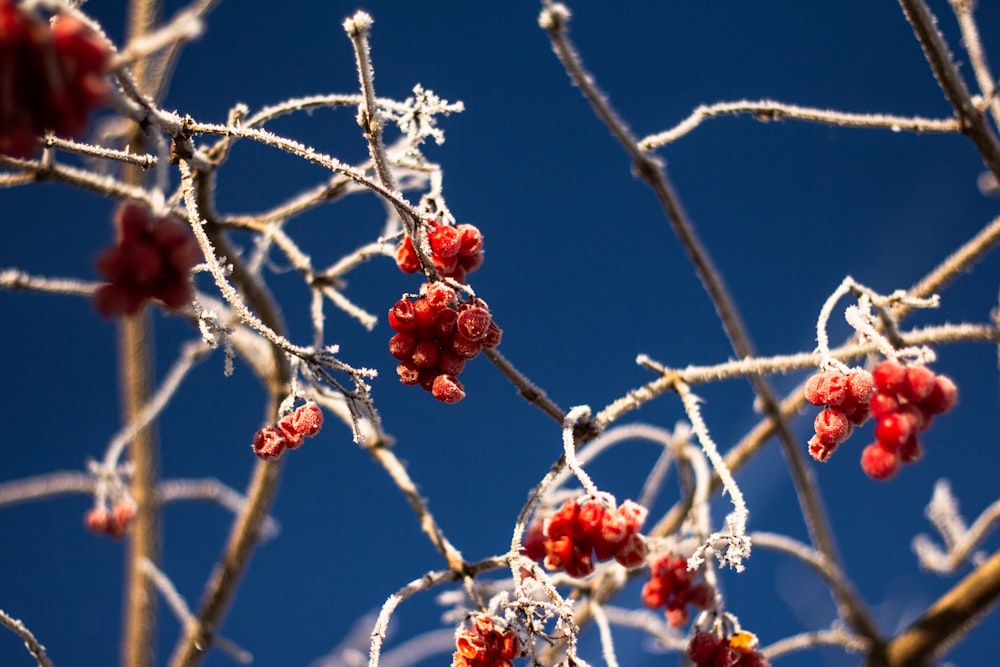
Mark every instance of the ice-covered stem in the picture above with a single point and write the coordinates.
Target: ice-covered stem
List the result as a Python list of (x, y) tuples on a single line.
[(397, 472), (945, 70), (945, 621), (604, 630), (573, 417), (770, 110), (424, 583), (357, 28), (977, 55), (36, 650), (553, 19), (736, 523)]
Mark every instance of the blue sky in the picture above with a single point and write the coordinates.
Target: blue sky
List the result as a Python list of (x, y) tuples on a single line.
[(581, 271)]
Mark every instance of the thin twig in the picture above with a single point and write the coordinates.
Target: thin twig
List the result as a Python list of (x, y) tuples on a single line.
[(36, 650), (771, 110)]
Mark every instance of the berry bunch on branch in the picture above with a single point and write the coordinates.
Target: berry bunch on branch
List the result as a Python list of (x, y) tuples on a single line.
[(578, 533)]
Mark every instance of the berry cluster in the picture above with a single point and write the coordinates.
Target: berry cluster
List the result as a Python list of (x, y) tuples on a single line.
[(152, 259), (305, 422), (904, 406), (483, 645), (740, 650), (671, 585), (434, 338), (455, 251), (114, 522), (846, 397), (577, 533), (50, 77)]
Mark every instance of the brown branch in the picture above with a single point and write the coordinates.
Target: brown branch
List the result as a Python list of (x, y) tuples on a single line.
[(974, 123), (946, 620)]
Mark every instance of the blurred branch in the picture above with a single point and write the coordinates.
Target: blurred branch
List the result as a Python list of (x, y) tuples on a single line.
[(945, 621), (36, 650)]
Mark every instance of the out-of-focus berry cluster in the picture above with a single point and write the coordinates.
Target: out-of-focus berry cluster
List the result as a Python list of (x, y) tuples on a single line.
[(739, 650), (483, 644), (152, 259), (113, 522), (435, 335), (673, 587), (51, 77), (907, 400), (578, 533), (270, 441)]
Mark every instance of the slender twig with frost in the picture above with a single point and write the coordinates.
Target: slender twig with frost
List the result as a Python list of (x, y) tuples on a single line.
[(36, 650), (770, 110)]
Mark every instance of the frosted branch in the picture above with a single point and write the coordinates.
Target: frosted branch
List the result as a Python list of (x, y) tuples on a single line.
[(959, 541), (36, 650), (770, 110)]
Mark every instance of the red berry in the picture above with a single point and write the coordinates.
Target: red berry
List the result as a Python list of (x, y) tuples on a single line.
[(703, 647), (450, 362), (919, 383), (889, 376), (406, 257), (878, 462), (445, 265), (474, 323), (448, 389), (910, 451), (98, 520), (632, 552), (292, 437), (590, 516), (445, 241), (308, 419), (726, 656), (268, 443), (439, 295), (493, 336), (882, 403), (860, 386), (832, 426), (402, 316), (401, 346), (943, 396), (407, 372), (445, 325), (464, 347), (471, 239), (819, 450), (826, 388), (425, 354), (893, 429)]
